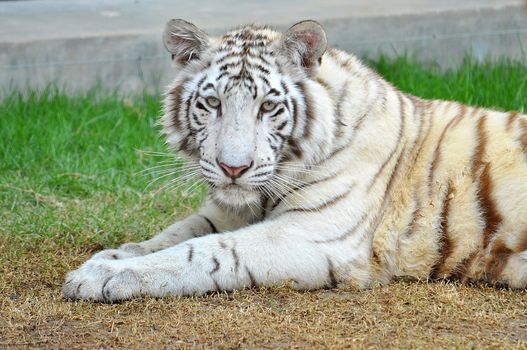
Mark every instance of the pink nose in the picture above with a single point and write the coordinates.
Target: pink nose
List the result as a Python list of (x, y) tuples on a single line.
[(234, 172)]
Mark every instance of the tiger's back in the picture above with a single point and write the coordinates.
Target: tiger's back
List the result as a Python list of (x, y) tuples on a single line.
[(460, 203)]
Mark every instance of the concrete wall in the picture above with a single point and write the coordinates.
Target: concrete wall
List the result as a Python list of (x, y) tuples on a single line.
[(127, 54)]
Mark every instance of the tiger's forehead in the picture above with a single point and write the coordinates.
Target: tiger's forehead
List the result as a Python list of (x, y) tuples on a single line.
[(250, 36), (244, 60)]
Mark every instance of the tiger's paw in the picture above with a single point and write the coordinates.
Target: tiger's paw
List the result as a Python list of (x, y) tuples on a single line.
[(99, 280)]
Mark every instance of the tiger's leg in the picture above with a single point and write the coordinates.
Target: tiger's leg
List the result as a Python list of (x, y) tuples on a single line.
[(506, 261), (265, 254), (515, 271), (503, 262), (210, 219)]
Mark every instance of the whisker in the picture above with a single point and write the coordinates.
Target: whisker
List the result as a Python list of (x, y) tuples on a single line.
[(167, 166), (180, 178), (302, 165), (176, 182), (175, 168), (299, 170), (192, 186), (156, 153)]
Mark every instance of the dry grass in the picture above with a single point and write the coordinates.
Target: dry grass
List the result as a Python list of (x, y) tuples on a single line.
[(404, 314)]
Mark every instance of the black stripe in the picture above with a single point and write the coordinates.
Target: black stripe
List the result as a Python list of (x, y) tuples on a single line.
[(200, 82), (190, 253), (236, 259), (208, 171), (324, 204), (294, 102), (221, 75), (264, 60), (309, 115), (216, 285), (216, 265), (281, 126), (196, 119), (229, 65), (176, 94), (295, 148), (261, 174), (208, 86), (273, 92), (275, 138), (265, 80), (437, 155), (278, 112), (262, 166), (281, 136), (223, 58), (197, 131), (214, 230), (254, 284), (331, 274), (201, 106), (284, 87), (208, 162), (445, 244), (262, 69)]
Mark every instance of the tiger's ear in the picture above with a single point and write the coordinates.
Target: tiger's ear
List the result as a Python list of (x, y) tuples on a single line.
[(184, 41), (305, 43)]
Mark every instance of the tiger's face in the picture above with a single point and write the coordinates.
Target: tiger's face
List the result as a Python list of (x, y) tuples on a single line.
[(233, 106), (241, 124)]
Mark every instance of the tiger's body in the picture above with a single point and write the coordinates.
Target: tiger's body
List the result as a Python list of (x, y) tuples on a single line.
[(322, 174)]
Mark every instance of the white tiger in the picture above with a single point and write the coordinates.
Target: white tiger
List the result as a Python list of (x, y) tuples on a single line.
[(321, 174)]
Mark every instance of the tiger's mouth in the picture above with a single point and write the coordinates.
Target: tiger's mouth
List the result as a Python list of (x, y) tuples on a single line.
[(235, 187), (237, 194)]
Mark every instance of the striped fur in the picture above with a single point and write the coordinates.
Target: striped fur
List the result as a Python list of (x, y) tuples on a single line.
[(352, 182)]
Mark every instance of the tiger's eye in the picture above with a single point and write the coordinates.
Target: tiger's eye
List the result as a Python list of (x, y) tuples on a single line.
[(213, 102), (268, 106)]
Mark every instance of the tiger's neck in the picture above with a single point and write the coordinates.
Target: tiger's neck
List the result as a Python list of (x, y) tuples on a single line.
[(363, 131), (355, 106)]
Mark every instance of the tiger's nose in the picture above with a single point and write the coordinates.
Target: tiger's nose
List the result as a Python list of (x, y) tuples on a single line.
[(234, 172)]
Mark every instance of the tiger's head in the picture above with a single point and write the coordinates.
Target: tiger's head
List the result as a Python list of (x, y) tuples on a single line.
[(241, 105)]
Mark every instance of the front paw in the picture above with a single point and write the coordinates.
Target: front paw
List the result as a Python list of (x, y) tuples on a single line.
[(99, 280), (88, 280)]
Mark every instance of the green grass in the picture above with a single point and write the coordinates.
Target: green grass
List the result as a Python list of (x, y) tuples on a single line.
[(70, 168), (500, 85), (69, 164), (75, 146)]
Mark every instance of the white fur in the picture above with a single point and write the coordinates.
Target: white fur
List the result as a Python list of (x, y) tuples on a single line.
[(370, 185)]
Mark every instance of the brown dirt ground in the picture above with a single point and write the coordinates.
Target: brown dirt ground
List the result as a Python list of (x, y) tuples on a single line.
[(401, 315)]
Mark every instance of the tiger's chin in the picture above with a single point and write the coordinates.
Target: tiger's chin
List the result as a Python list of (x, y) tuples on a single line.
[(237, 196)]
